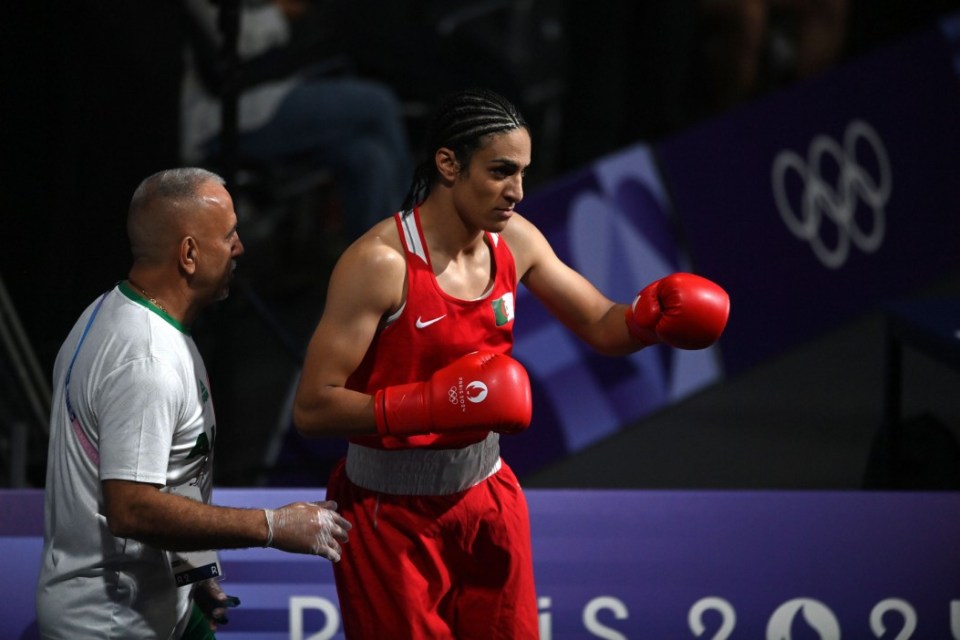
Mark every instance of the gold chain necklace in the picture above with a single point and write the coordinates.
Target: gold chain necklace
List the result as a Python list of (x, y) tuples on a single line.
[(149, 298)]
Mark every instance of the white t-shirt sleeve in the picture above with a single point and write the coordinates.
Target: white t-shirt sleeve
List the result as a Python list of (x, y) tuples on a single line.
[(140, 406)]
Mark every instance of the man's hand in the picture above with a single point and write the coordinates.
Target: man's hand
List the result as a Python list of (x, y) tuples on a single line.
[(307, 527), (213, 602)]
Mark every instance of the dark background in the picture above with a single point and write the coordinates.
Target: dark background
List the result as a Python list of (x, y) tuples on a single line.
[(90, 96)]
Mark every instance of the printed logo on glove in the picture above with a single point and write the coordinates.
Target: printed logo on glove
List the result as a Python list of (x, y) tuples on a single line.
[(475, 392)]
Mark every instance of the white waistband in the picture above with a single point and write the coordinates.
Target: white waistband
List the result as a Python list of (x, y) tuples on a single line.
[(423, 472)]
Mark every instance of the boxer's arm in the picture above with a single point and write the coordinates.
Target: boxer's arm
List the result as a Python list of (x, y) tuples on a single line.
[(570, 297), (682, 310), (365, 286)]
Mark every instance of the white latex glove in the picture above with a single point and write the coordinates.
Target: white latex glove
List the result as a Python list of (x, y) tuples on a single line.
[(307, 527)]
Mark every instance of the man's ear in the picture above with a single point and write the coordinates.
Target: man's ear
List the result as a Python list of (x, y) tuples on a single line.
[(189, 254), (447, 165)]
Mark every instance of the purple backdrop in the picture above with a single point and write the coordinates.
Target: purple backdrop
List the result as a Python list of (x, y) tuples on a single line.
[(612, 223), (825, 199), (631, 564)]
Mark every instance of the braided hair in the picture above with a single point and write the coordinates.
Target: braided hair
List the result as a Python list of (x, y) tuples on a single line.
[(461, 124)]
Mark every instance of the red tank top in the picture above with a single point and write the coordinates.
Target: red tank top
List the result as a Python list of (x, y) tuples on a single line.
[(433, 328)]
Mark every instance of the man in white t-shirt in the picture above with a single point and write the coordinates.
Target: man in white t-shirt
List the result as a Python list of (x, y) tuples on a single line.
[(132, 435)]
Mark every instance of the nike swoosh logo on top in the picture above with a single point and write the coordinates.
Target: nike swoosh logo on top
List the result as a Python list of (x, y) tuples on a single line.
[(421, 324)]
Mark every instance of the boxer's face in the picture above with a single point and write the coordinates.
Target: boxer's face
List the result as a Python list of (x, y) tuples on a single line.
[(487, 191)]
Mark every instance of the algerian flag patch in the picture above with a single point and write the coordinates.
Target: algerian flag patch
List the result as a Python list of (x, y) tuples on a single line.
[(503, 309)]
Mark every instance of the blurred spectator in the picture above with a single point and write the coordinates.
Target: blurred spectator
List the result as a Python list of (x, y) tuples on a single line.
[(750, 46), (349, 125), (427, 49)]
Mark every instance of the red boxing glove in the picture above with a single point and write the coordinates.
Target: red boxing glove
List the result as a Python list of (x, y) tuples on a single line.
[(682, 310), (477, 391)]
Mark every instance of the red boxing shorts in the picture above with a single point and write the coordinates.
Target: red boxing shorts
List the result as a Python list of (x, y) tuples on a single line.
[(434, 567)]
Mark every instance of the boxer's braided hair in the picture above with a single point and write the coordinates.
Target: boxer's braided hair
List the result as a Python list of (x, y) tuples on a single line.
[(461, 124)]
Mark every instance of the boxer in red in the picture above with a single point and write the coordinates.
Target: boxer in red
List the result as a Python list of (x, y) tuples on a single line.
[(411, 362)]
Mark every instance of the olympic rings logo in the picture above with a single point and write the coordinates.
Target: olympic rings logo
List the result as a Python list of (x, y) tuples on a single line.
[(453, 396), (822, 203)]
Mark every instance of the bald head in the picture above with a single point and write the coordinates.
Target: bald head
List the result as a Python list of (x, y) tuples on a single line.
[(161, 209)]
